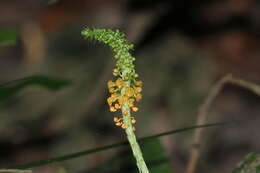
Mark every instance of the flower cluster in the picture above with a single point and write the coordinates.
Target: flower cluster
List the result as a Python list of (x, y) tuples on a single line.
[(120, 122), (124, 95), (126, 90)]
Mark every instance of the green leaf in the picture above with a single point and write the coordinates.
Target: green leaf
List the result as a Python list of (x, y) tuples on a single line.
[(7, 36), (251, 164), (155, 156), (9, 89), (107, 147)]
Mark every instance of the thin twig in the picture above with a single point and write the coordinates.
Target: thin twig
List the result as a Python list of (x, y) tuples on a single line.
[(203, 111), (201, 118), (245, 84)]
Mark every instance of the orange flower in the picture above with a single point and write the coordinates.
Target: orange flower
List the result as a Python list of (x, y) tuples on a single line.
[(125, 113), (135, 109), (133, 121), (117, 106), (123, 126), (116, 119), (112, 109), (118, 124), (130, 105)]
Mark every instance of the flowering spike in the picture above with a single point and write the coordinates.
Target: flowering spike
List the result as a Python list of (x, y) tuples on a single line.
[(126, 89)]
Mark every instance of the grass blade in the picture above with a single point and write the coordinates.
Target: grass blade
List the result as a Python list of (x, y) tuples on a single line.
[(107, 147)]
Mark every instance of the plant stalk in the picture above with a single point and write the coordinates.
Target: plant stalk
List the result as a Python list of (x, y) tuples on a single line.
[(132, 139), (134, 145)]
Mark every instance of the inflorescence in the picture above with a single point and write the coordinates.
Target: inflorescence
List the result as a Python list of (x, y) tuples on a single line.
[(126, 89), (117, 99)]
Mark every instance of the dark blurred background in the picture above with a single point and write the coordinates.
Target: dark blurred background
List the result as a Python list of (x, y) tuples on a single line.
[(181, 47)]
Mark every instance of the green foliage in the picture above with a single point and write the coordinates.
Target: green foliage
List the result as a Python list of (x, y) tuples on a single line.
[(251, 164), (11, 88), (7, 37)]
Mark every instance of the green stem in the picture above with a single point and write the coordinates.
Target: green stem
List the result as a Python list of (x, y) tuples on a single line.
[(134, 145), (132, 139)]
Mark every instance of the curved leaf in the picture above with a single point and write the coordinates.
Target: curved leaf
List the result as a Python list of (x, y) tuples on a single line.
[(11, 88)]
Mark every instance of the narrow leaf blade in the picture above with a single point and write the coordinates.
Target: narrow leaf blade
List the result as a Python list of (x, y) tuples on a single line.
[(107, 147), (9, 89)]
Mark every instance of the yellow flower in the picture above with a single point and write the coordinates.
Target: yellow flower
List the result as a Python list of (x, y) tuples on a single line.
[(135, 109), (129, 92), (119, 83), (110, 100), (122, 100), (138, 83), (112, 109), (138, 97), (111, 90), (114, 96), (110, 84), (138, 89), (131, 100)]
